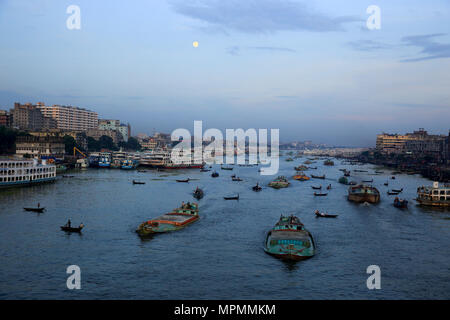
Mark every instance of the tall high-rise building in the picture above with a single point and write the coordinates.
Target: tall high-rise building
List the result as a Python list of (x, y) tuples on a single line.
[(70, 118), (5, 118)]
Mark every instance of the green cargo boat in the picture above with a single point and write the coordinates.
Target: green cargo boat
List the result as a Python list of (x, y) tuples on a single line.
[(280, 182), (289, 240)]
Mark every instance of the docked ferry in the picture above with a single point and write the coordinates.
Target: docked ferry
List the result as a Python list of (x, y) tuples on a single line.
[(437, 196), (105, 160), (162, 159), (18, 172)]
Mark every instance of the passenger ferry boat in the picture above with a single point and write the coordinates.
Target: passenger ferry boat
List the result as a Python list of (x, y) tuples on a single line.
[(18, 172), (175, 220), (128, 164), (162, 159), (117, 159), (289, 240), (105, 160), (437, 196)]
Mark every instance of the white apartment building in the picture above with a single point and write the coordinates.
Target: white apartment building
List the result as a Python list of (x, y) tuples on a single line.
[(70, 118)]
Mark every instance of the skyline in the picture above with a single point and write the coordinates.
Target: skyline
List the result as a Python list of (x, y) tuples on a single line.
[(313, 71)]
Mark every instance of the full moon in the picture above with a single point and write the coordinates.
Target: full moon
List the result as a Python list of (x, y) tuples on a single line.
[(195, 44)]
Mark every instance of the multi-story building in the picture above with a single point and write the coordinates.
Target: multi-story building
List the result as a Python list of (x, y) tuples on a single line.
[(70, 118), (148, 144), (40, 146), (5, 118), (417, 143), (105, 124), (29, 117), (97, 133)]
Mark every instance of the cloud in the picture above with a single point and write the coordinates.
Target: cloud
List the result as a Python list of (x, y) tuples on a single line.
[(236, 50), (368, 45), (430, 48), (259, 16)]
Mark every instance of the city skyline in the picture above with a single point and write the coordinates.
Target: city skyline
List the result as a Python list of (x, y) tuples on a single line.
[(313, 71)]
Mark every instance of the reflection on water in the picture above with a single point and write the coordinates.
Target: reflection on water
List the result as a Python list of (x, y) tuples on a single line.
[(221, 256)]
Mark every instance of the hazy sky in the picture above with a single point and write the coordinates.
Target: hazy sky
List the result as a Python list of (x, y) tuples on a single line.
[(310, 68)]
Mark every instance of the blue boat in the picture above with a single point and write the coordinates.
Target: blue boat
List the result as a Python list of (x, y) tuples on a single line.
[(128, 164), (289, 240), (104, 161)]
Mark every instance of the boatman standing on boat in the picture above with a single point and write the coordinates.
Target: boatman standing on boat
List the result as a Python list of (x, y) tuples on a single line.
[(69, 223)]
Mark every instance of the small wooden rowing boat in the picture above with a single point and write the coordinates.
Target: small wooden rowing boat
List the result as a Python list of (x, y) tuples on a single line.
[(392, 193), (226, 168), (198, 193), (138, 182), (397, 190), (214, 174), (317, 188), (34, 209), (320, 194), (183, 180), (368, 181), (400, 203), (232, 198), (318, 177), (324, 215), (256, 188), (72, 229), (66, 176)]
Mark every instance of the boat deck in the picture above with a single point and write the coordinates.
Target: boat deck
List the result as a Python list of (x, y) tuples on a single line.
[(290, 235)]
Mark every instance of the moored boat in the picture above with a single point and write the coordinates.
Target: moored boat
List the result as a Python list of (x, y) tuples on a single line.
[(301, 168), (232, 198), (328, 162), (318, 177), (289, 240), (363, 193), (175, 220), (214, 174)]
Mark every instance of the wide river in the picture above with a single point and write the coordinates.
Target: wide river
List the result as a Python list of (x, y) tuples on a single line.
[(221, 256)]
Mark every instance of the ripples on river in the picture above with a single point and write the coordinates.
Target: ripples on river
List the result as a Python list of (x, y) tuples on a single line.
[(221, 256)]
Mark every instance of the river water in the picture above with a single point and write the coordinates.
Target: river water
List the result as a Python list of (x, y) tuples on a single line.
[(221, 256)]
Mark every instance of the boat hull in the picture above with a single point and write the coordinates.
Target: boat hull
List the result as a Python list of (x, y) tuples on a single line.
[(361, 198)]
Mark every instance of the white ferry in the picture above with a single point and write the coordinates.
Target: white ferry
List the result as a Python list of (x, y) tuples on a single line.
[(162, 159), (436, 195), (17, 172)]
